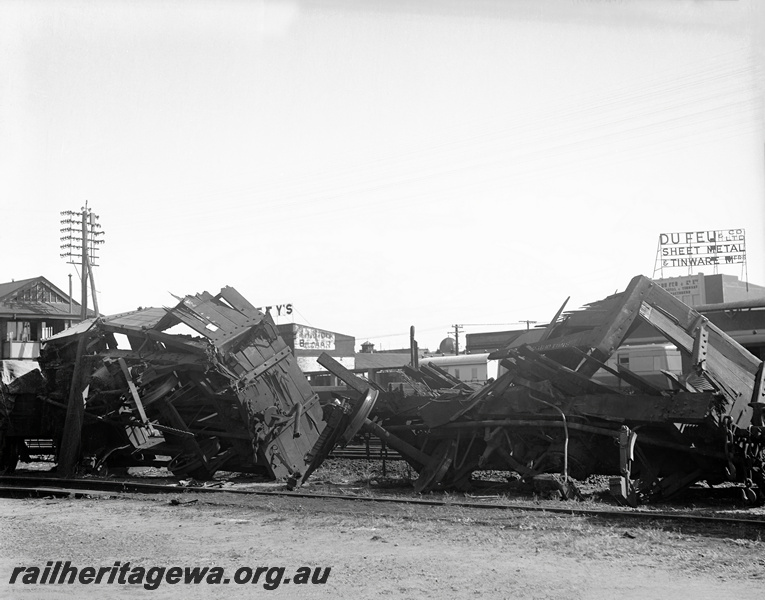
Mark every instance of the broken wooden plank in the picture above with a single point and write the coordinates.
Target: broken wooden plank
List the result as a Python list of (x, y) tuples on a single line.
[(72, 437), (352, 381)]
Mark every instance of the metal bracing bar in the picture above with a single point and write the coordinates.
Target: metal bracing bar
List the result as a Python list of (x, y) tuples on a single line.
[(565, 433), (250, 376), (508, 423), (396, 443), (133, 391), (700, 348)]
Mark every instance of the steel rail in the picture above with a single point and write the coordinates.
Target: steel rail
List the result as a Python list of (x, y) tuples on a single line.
[(50, 486)]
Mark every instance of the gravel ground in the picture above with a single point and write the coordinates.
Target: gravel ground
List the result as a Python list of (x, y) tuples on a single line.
[(378, 550), (373, 550)]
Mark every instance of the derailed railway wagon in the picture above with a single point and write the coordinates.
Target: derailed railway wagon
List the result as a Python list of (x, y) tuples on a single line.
[(546, 414), (228, 395)]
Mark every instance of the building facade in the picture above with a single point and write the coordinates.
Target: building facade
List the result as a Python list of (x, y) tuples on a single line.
[(32, 310), (308, 343), (700, 290), (735, 306)]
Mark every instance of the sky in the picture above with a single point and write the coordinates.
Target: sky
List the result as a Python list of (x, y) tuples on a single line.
[(380, 164)]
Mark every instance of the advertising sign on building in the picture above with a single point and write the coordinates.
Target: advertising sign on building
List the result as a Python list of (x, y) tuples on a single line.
[(702, 248), (308, 338), (276, 310), (687, 289)]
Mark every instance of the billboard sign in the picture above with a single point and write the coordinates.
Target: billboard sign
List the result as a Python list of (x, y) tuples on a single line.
[(308, 338), (280, 309), (702, 248)]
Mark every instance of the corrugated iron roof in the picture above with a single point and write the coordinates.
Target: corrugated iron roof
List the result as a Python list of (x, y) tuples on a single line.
[(374, 360), (9, 305), (144, 318), (77, 329), (11, 286)]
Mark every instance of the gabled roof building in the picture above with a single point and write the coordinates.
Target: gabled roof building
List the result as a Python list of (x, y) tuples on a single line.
[(32, 310)]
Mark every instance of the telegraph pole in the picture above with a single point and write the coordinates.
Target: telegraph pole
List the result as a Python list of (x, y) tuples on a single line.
[(80, 242), (414, 351), (81, 235), (85, 268), (457, 329)]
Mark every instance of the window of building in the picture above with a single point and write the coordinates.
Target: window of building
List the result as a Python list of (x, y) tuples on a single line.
[(642, 364), (39, 293), (20, 331)]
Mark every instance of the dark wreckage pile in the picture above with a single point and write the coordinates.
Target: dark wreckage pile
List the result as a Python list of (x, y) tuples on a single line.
[(231, 397), (546, 414)]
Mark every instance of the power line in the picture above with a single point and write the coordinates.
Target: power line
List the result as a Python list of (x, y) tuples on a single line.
[(496, 324)]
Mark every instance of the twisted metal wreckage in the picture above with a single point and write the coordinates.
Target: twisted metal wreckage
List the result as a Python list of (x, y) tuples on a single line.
[(547, 414), (235, 399)]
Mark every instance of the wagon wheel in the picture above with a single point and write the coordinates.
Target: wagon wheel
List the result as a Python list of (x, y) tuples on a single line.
[(361, 412), (186, 466), (437, 468), (342, 423), (196, 464)]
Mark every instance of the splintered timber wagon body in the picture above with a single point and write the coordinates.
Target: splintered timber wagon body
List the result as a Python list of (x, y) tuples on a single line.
[(228, 396), (551, 412)]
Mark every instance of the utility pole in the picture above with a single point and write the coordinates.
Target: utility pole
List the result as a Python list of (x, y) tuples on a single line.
[(457, 329), (81, 236), (80, 242), (85, 268), (528, 324), (414, 350)]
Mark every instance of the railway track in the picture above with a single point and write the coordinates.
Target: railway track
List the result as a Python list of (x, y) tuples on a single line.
[(27, 486)]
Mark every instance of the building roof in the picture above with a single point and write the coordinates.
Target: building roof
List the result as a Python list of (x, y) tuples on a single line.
[(477, 343), (756, 303), (37, 297), (138, 320), (143, 318), (7, 288), (376, 360)]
